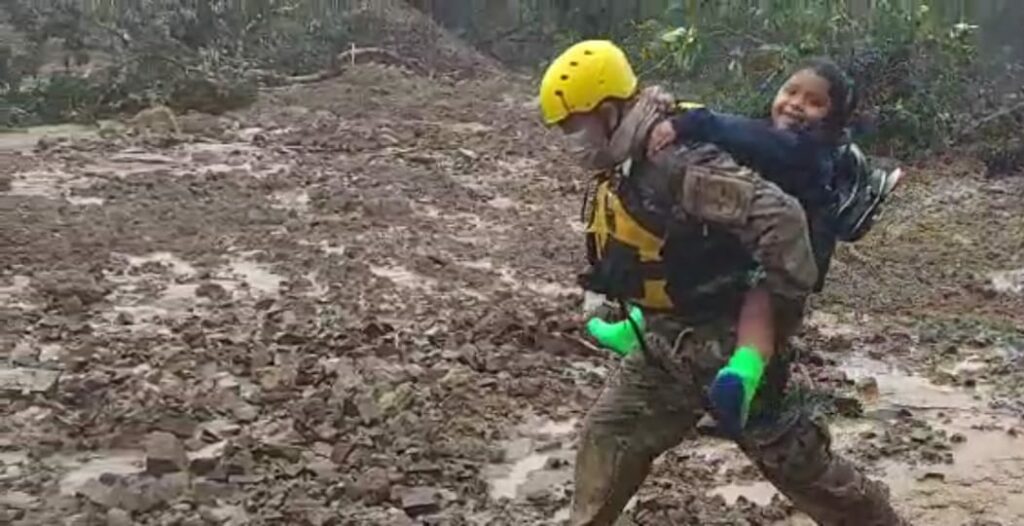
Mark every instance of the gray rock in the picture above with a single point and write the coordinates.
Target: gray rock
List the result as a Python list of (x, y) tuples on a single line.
[(207, 459), (421, 501), (373, 486), (119, 517), (24, 380), (164, 454), (19, 500)]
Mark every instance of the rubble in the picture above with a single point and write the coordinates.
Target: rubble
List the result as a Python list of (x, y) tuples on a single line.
[(164, 454), (421, 501), (24, 380)]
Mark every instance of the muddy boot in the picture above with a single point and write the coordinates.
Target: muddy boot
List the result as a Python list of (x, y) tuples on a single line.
[(795, 454)]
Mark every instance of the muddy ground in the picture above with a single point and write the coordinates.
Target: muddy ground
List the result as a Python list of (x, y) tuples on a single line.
[(353, 304)]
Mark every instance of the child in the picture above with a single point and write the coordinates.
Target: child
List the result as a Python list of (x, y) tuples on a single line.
[(795, 150)]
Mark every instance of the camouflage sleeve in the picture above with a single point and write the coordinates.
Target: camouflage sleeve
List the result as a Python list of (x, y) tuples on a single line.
[(714, 189)]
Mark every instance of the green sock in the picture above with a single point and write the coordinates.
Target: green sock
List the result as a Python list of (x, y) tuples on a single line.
[(747, 364), (620, 336)]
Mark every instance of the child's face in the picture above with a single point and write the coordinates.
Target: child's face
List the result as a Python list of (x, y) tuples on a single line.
[(802, 100)]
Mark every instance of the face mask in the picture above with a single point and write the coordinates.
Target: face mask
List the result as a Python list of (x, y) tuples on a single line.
[(589, 148)]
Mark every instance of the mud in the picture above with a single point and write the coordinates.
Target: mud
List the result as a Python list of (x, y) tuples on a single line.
[(353, 304)]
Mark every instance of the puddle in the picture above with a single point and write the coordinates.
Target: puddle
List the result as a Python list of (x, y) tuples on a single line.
[(502, 203), (831, 325), (258, 276), (900, 388), (82, 471), (1008, 282), (47, 183), (333, 250), (403, 277), (526, 468), (760, 493), (297, 200), (19, 284), (987, 475), (26, 139), (85, 201), (508, 276), (178, 265)]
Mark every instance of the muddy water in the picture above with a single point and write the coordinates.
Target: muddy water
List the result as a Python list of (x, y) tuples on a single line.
[(987, 475), (28, 138), (526, 465)]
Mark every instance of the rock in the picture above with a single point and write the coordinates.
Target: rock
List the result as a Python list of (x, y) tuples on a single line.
[(224, 515), (368, 409), (51, 353), (19, 500), (164, 454), (98, 493), (421, 501), (212, 291), (340, 452), (207, 459), (395, 401), (372, 486), (555, 463), (244, 412), (8, 516), (324, 469), (24, 353), (868, 388), (23, 380), (539, 495), (920, 435), (208, 491), (169, 487), (245, 479), (119, 517), (424, 468), (181, 426)]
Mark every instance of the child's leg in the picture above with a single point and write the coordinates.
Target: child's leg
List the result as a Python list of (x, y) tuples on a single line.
[(756, 328), (736, 384)]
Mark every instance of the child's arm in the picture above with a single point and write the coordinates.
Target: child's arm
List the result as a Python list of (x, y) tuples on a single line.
[(766, 148)]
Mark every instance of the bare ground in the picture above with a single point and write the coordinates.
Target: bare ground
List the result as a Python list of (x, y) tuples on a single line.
[(353, 304)]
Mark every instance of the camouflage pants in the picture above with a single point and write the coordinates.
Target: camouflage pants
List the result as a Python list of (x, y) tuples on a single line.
[(655, 402)]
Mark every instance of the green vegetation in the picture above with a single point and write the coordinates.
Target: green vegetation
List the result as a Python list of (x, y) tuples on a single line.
[(917, 77), (78, 60)]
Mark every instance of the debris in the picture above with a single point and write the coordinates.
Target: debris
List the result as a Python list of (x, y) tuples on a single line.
[(19, 500), (24, 380), (207, 459), (369, 410), (180, 425), (373, 486), (421, 501), (164, 454), (119, 517), (868, 388)]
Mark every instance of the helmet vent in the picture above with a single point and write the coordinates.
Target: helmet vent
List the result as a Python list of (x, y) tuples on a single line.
[(574, 64), (587, 52), (565, 77)]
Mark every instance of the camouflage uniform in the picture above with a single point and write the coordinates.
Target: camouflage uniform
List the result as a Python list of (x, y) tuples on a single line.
[(698, 193)]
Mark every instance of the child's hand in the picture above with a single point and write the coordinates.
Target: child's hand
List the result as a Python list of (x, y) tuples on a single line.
[(662, 135)]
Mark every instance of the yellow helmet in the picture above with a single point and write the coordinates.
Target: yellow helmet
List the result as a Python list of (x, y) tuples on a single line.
[(582, 77)]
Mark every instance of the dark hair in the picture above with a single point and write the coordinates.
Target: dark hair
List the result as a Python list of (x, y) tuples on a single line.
[(840, 90)]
